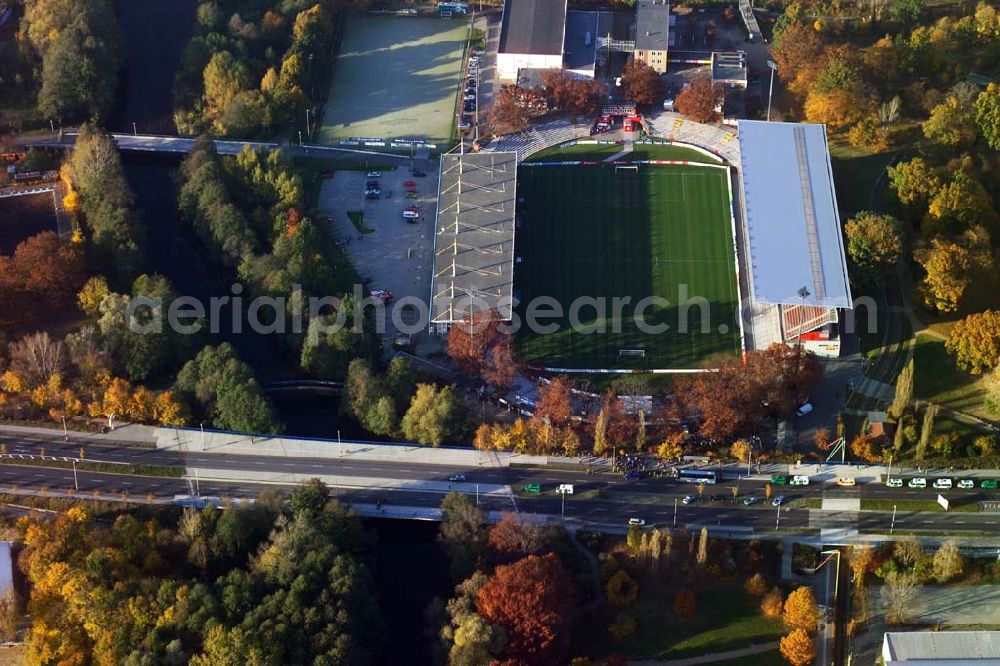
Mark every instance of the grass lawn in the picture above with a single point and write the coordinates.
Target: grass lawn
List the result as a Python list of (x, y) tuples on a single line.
[(919, 505), (396, 77), (727, 618), (595, 232), (772, 658), (937, 379), (600, 151), (855, 173)]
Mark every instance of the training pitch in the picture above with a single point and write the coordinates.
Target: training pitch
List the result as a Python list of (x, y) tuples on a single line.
[(396, 77), (597, 231)]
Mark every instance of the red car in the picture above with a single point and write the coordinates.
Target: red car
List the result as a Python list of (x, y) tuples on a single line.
[(410, 183), (326, 175), (383, 295)]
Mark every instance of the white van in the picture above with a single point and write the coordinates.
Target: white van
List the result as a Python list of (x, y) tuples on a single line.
[(799, 480), (565, 488), (942, 484), (917, 482)]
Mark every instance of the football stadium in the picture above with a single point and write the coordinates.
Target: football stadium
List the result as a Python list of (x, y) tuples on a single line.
[(666, 255)]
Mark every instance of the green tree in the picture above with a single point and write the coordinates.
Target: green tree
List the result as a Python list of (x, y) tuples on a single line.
[(926, 430), (875, 244), (462, 534), (908, 12), (988, 115), (226, 391), (915, 181), (434, 416)]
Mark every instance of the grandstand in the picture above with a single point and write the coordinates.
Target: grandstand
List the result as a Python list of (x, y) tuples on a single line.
[(474, 237)]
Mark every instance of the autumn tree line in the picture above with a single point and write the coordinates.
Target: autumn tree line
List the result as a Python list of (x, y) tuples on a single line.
[(253, 67), (275, 582), (731, 404)]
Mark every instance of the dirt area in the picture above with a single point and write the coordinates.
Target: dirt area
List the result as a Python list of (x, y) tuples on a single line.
[(23, 217), (387, 252)]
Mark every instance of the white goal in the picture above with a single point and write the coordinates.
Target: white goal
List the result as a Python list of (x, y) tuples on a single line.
[(633, 168)]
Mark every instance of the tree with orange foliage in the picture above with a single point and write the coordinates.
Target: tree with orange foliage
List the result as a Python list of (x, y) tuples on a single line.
[(702, 100), (798, 648), (43, 271), (531, 599), (798, 50), (619, 428), (478, 345), (573, 95), (555, 402), (685, 603), (512, 536), (773, 603), (801, 611), (756, 585), (863, 447), (642, 84)]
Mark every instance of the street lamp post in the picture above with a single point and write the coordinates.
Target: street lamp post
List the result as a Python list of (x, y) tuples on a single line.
[(892, 525), (777, 519), (773, 67), (836, 581), (76, 482), (888, 472), (675, 512)]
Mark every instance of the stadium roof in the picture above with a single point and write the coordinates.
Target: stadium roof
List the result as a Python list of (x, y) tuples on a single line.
[(942, 648), (652, 25), (534, 27), (790, 207), (474, 237)]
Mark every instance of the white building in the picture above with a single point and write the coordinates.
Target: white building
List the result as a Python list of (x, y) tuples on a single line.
[(941, 648), (531, 36)]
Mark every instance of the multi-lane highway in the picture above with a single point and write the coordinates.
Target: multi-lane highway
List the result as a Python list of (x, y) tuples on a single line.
[(598, 497)]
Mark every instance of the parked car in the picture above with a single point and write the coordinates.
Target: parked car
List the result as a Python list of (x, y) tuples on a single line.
[(373, 194), (846, 482), (804, 409), (917, 482), (632, 475), (942, 484), (636, 521), (457, 477), (799, 480), (374, 174), (750, 500), (383, 295), (894, 483), (689, 499), (966, 484), (419, 174), (778, 501), (411, 214)]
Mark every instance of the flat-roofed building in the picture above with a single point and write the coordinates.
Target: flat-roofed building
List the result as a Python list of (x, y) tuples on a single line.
[(532, 34), (652, 33), (794, 248), (941, 648)]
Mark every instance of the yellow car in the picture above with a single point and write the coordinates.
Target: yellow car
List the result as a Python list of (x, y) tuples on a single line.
[(847, 482)]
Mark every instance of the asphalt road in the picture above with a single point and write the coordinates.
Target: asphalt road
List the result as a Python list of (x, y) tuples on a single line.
[(515, 476)]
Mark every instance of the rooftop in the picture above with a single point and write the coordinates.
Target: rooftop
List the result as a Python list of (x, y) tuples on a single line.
[(652, 25), (942, 648), (578, 55), (790, 207), (535, 27), (730, 67), (474, 237)]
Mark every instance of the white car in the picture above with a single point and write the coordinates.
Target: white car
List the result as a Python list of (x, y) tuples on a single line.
[(966, 484), (565, 488), (894, 483), (942, 484), (917, 482), (636, 521), (457, 477), (688, 499), (374, 174), (804, 409), (799, 480)]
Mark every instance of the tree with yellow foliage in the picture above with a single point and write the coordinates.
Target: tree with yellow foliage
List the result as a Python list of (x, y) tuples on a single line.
[(801, 611), (672, 448), (798, 648), (93, 293), (773, 603)]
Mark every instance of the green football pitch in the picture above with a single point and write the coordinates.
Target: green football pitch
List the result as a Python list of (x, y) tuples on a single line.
[(597, 231)]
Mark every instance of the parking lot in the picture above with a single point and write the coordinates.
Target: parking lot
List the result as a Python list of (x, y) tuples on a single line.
[(387, 252)]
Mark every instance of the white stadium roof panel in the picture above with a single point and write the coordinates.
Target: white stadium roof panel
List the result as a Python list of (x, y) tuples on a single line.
[(790, 207)]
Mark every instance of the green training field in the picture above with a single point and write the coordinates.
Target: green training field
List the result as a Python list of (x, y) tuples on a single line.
[(396, 77), (593, 231)]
